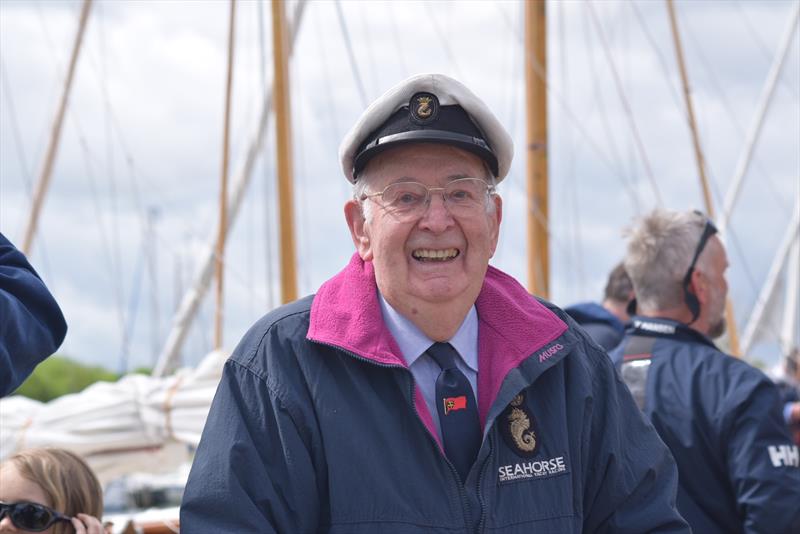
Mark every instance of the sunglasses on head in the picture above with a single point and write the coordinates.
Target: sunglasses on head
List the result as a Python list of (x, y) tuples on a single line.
[(30, 515)]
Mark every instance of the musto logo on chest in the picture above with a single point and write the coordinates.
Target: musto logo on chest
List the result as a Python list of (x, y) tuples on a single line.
[(532, 469)]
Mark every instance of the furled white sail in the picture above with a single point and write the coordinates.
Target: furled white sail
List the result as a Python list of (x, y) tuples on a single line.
[(139, 423)]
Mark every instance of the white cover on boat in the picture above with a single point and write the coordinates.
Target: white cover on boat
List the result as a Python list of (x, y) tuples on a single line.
[(139, 423)]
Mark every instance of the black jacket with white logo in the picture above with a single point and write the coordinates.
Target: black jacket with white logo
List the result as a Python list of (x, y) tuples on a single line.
[(721, 418), (317, 426)]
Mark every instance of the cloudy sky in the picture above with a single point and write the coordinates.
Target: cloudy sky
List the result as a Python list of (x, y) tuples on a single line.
[(134, 193)]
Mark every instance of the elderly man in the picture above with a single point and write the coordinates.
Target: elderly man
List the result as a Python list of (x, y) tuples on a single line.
[(720, 417), (421, 390)]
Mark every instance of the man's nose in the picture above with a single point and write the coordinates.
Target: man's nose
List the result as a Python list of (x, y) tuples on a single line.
[(437, 216)]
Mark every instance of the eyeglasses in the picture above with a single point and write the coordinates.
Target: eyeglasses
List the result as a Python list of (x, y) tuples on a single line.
[(410, 200), (31, 516), (708, 230)]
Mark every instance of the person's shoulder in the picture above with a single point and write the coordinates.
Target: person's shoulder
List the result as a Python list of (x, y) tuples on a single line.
[(584, 351), (287, 322), (590, 312)]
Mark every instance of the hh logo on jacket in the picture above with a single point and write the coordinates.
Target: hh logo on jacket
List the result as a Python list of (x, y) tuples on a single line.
[(784, 455)]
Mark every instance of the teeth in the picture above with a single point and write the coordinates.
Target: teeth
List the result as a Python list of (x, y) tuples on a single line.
[(431, 254)]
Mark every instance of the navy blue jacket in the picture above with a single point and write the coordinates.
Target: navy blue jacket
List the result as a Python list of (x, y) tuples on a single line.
[(32, 326), (721, 418), (602, 325), (317, 426)]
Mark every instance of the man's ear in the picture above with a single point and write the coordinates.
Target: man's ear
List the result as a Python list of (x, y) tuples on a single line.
[(699, 286), (358, 228), (496, 217)]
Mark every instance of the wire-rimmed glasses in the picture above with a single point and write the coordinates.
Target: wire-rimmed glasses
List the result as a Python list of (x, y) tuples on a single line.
[(410, 200)]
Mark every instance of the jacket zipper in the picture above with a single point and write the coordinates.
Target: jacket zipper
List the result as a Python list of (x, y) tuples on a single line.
[(461, 488), (482, 521), (462, 492)]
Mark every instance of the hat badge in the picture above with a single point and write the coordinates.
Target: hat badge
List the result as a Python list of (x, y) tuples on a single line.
[(423, 108)]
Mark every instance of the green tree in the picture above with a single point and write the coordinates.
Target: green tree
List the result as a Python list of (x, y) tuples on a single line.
[(59, 375)]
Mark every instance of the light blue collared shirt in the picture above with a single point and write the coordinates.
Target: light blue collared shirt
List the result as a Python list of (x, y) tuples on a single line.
[(413, 343)]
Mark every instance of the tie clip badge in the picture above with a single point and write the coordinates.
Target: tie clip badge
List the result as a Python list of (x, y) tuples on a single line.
[(452, 404), (517, 430)]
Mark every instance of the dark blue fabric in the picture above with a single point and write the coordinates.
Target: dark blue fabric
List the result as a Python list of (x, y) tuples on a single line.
[(601, 325), (461, 432), (304, 437), (722, 420), (32, 326)]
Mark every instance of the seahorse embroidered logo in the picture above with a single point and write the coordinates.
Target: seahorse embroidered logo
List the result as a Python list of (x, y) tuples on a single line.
[(518, 431)]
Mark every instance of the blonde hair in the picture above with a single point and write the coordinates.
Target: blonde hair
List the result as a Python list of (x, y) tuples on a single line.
[(65, 478)]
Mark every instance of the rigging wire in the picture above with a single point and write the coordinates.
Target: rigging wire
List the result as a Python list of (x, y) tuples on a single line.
[(332, 111), (766, 177), (513, 63), (26, 172), (602, 110), (351, 56), (250, 211), (105, 240), (58, 67), (572, 116), (371, 63), (575, 260), (763, 48), (268, 213), (302, 193), (400, 56), (662, 60), (626, 105), (440, 34)]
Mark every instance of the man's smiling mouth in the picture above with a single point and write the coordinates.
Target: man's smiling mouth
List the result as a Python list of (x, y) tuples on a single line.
[(429, 254)]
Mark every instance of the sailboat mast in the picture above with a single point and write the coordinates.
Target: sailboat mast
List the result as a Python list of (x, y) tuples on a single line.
[(536, 163), (687, 97), (223, 194), (282, 108), (730, 318), (190, 303), (55, 136)]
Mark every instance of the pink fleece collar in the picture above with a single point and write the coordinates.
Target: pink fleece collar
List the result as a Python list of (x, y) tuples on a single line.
[(512, 326)]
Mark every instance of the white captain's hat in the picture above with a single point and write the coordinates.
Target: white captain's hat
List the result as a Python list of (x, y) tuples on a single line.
[(427, 108)]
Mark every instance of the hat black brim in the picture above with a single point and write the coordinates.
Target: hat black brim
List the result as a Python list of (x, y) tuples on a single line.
[(471, 144)]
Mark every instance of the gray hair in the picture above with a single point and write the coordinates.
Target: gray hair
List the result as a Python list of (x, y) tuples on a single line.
[(361, 188), (660, 249)]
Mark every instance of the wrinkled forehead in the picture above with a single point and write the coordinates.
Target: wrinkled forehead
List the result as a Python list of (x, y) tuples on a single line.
[(428, 163)]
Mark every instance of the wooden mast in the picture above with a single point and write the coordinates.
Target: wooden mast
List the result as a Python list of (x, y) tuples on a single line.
[(730, 319), (223, 194), (55, 135), (282, 109), (536, 149)]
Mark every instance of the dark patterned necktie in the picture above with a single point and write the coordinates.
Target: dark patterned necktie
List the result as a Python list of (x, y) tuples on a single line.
[(458, 412)]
